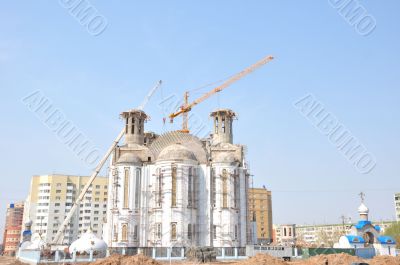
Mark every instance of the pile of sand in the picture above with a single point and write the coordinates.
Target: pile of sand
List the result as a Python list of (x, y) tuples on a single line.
[(262, 259), (384, 260), (333, 259), (126, 260)]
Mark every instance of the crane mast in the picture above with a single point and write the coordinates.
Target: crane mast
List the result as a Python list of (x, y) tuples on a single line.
[(186, 107)]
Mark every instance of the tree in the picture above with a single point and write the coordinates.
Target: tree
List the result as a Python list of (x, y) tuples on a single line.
[(394, 231)]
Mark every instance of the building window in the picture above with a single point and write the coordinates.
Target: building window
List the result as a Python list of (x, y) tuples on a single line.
[(236, 232), (189, 231), (126, 187), (216, 125), (236, 189), (190, 187), (124, 232), (135, 232), (173, 231), (224, 188), (159, 187), (158, 230), (173, 188), (213, 188), (137, 188), (214, 231), (223, 124)]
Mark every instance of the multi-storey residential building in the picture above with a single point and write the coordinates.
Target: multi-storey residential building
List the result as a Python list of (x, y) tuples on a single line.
[(260, 208), (329, 234), (284, 235), (397, 206), (50, 199), (13, 226)]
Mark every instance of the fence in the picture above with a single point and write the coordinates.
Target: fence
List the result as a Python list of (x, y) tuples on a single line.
[(57, 256), (179, 253)]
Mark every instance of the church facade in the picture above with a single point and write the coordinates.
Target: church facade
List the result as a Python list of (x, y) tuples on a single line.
[(176, 190)]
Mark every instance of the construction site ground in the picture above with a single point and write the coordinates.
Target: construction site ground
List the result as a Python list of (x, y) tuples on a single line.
[(260, 259)]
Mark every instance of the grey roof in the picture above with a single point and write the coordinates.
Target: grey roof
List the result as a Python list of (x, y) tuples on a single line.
[(129, 158), (187, 140), (225, 157), (176, 152)]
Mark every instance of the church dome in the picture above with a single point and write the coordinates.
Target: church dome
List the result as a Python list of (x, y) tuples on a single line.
[(129, 158), (362, 209), (87, 242), (176, 152)]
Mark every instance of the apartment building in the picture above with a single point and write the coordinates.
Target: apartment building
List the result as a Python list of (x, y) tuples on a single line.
[(260, 207), (12, 228), (50, 199), (284, 235)]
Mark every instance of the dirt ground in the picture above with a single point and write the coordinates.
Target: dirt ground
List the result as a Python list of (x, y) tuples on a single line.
[(9, 261), (260, 259)]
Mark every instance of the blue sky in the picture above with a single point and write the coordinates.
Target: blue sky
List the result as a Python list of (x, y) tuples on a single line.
[(91, 79)]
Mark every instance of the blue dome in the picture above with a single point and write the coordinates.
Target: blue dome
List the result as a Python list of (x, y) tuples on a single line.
[(27, 232), (386, 240), (355, 239), (361, 224)]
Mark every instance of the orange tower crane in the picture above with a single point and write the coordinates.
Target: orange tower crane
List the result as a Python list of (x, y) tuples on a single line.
[(186, 107)]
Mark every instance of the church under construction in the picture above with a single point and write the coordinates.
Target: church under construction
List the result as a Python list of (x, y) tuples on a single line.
[(176, 190)]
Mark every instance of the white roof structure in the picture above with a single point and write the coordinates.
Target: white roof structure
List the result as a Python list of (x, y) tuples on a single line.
[(36, 243), (363, 209), (88, 241)]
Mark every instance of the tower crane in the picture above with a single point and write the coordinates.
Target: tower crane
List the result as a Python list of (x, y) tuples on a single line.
[(186, 107)]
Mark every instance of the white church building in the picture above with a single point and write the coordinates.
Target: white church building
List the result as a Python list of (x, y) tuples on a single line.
[(365, 235), (176, 190)]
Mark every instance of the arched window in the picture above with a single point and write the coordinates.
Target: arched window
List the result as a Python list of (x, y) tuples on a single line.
[(216, 125), (213, 188), (236, 232), (140, 126), (159, 188), (132, 125), (174, 186), (223, 124), (135, 232), (137, 188), (115, 233), (236, 186), (126, 188), (173, 231), (190, 187), (224, 188), (124, 232), (189, 231)]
